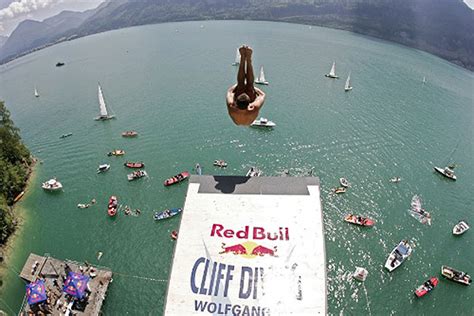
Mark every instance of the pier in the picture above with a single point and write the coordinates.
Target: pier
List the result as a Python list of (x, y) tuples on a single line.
[(53, 272)]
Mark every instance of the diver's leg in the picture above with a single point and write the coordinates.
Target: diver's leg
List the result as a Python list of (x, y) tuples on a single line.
[(249, 89), (241, 74)]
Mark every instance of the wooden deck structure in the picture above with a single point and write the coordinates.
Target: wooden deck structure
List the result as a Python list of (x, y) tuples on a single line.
[(54, 272)]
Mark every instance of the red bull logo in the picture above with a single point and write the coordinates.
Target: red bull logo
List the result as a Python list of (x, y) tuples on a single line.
[(249, 249), (256, 233)]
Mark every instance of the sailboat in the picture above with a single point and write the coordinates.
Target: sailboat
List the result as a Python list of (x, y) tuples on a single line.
[(237, 58), (261, 78), (104, 115), (36, 92), (332, 73), (424, 80), (348, 86)]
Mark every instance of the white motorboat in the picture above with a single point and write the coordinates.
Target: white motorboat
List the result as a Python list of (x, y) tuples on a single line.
[(103, 168), (398, 255), (460, 228), (360, 274), (348, 86), (80, 205), (254, 172), (344, 182), (261, 78), (332, 73), (136, 175), (52, 185), (220, 163), (456, 275), (395, 179), (262, 122), (447, 172), (104, 113), (237, 58)]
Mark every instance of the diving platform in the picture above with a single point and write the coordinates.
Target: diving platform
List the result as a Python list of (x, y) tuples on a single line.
[(249, 246), (53, 272)]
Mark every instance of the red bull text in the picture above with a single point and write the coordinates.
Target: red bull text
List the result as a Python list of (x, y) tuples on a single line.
[(256, 233)]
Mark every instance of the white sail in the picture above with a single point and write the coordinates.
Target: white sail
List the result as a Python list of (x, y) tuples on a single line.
[(102, 107), (237, 58), (333, 70), (424, 79), (261, 78), (36, 93), (348, 83)]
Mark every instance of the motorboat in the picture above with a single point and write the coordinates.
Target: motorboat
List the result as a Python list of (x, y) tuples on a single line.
[(177, 178), (261, 78), (129, 134), (103, 110), (395, 179), (263, 122), (447, 172), (360, 274), (344, 182), (398, 255), (116, 152), (65, 135), (339, 190), (220, 163), (359, 220), (103, 168), (166, 213), (198, 169), (52, 185), (455, 275), (113, 206), (254, 172), (332, 72), (59, 64), (136, 165), (460, 228), (136, 175), (426, 287), (80, 205)]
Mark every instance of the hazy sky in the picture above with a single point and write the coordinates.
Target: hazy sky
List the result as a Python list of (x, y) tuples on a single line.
[(13, 12)]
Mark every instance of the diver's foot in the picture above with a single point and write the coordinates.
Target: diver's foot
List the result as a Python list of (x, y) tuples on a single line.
[(243, 50), (249, 52)]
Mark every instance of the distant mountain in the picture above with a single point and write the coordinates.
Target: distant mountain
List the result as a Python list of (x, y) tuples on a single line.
[(443, 27), (3, 39)]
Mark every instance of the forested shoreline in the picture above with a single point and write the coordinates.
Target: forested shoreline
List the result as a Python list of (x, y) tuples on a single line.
[(15, 168)]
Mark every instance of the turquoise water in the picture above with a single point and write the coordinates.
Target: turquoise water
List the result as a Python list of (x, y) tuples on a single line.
[(168, 82)]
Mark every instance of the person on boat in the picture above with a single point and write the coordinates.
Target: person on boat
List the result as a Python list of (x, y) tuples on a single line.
[(243, 99)]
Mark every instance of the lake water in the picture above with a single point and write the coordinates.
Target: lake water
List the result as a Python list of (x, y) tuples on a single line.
[(168, 82)]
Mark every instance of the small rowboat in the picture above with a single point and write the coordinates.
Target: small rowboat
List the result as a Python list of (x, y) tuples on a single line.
[(220, 163), (460, 228), (398, 255), (136, 175), (129, 134), (137, 165), (174, 235), (113, 206), (455, 275), (339, 190), (177, 178), (359, 220), (426, 287), (166, 213), (116, 152), (19, 196), (344, 182)]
